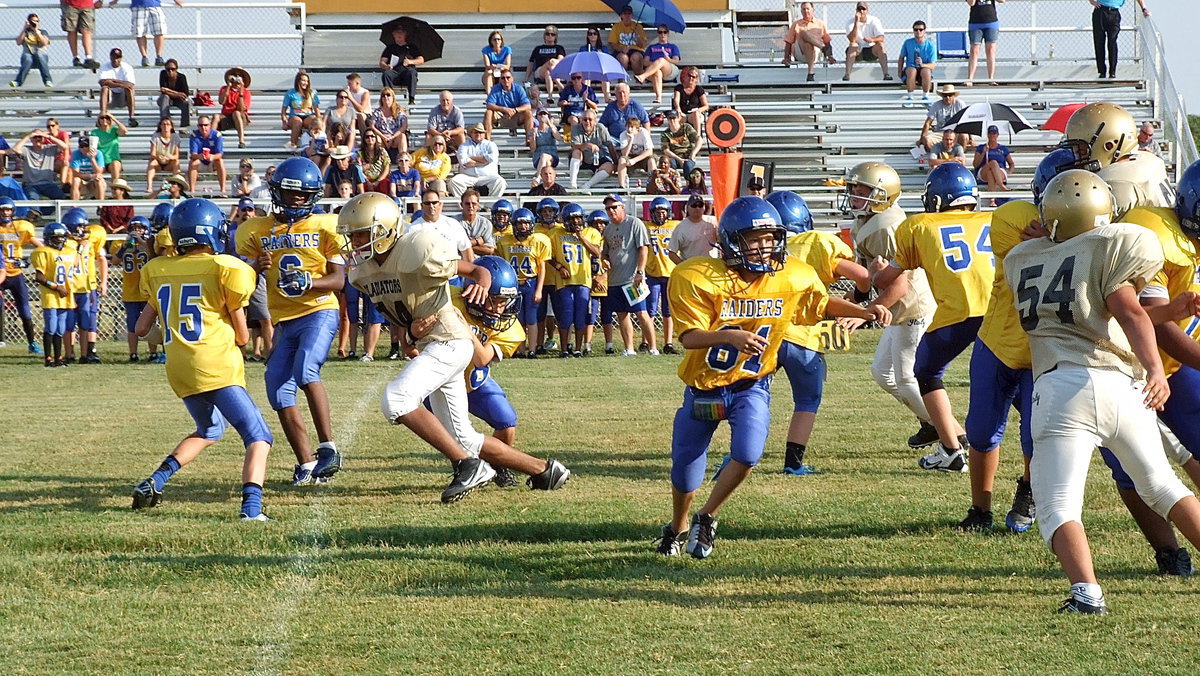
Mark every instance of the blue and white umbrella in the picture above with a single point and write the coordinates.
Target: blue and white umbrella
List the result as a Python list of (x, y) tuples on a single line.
[(592, 65)]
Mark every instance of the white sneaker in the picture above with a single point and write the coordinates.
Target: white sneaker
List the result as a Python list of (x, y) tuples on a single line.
[(367, 357), (261, 517), (653, 352), (290, 146), (551, 344), (945, 460), (628, 353)]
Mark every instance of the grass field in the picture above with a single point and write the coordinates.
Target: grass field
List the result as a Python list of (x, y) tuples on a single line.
[(857, 569)]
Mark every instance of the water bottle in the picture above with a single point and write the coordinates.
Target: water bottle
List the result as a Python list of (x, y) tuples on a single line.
[(1051, 54)]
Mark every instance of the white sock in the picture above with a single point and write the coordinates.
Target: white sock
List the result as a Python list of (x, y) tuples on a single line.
[(596, 178), (327, 444), (1088, 593), (308, 465), (574, 173), (608, 346)]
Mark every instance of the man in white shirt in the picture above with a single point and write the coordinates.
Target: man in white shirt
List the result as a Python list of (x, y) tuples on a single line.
[(117, 84), (865, 33), (696, 235), (478, 161), (432, 219)]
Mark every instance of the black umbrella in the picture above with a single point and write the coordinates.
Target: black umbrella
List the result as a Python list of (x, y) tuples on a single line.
[(421, 35), (976, 118)]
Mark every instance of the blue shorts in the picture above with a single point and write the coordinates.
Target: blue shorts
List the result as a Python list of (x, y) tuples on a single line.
[(805, 370), (603, 310), (86, 312), (749, 417), (994, 388), (939, 347), (537, 158), (617, 302), (133, 310), (213, 411), (489, 403), (55, 321), (20, 294), (658, 297), (527, 311), (984, 32), (368, 311), (571, 304), (543, 308), (301, 348), (1179, 415)]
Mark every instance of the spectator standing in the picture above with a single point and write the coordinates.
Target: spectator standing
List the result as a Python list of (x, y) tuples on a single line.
[(148, 19), (478, 227), (637, 151), (544, 142), (405, 180), (447, 120), (360, 99), (235, 100), (592, 148), (574, 98), (939, 112), (113, 218), (1145, 139), (344, 168), (206, 148), (375, 161), (118, 85), (33, 41), (662, 62), (621, 109), (390, 121), (690, 99), (107, 134), (448, 228), (696, 235), (593, 43), (38, 151), (478, 165), (87, 169), (432, 163), (79, 21), (246, 181), (164, 152), (626, 248), (299, 103), (1106, 26), (399, 62), (663, 180), (865, 33), (680, 142), (546, 184), (508, 106), (918, 57), (544, 58), (496, 57), (993, 162), (983, 26), (173, 92), (627, 41), (812, 35), (946, 150)]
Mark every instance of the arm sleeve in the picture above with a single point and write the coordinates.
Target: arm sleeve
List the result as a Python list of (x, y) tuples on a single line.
[(811, 308), (238, 283), (194, 144), (220, 143)]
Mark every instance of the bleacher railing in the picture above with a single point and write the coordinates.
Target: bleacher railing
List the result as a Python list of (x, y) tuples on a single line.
[(1168, 102)]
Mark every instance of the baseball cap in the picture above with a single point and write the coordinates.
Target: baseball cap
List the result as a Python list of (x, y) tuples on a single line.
[(672, 113), (695, 200), (85, 140), (115, 53), (245, 203), (993, 129), (756, 183), (861, 5), (613, 197)]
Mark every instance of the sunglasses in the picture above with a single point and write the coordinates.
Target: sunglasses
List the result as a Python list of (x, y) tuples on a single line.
[(611, 207), (438, 143), (918, 30), (429, 204), (388, 96), (553, 35), (592, 33), (341, 96), (576, 77), (172, 69), (664, 32)]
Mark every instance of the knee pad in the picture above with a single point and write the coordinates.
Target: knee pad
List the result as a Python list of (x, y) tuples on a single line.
[(927, 385)]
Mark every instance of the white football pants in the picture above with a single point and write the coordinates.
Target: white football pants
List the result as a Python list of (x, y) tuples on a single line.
[(893, 364), (436, 374)]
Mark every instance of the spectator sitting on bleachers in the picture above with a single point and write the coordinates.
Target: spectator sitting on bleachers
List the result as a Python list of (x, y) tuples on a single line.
[(592, 148), (340, 135), (173, 92), (1145, 137), (108, 133), (206, 148), (318, 146), (33, 41), (447, 120), (696, 185), (918, 57), (938, 113), (546, 184), (508, 106), (299, 103), (662, 62), (993, 162), (164, 152), (982, 26), (865, 33), (391, 122), (176, 187), (544, 58), (593, 43), (478, 165), (341, 112), (496, 56), (115, 218), (574, 97), (405, 180), (246, 181), (543, 144), (812, 35), (637, 151), (375, 161), (432, 163), (87, 169), (344, 168), (627, 41), (118, 86), (399, 63), (680, 142), (663, 180), (621, 109), (946, 150), (360, 99), (690, 99), (235, 100), (263, 192), (79, 21), (62, 163)]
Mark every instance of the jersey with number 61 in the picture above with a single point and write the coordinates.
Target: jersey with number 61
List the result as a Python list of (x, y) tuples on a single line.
[(706, 294), (1061, 292), (194, 295), (955, 251), (308, 245)]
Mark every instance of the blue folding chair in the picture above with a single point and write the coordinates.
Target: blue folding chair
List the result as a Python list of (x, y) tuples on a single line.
[(951, 44)]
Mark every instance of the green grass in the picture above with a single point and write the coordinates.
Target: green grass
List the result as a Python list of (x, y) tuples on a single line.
[(856, 569)]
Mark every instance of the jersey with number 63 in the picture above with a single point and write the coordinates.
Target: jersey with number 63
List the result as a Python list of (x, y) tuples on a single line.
[(706, 294), (130, 257), (1061, 291), (954, 249), (194, 295), (307, 245)]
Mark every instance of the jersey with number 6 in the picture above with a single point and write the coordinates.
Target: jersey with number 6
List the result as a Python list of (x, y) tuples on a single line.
[(524, 255), (194, 295), (955, 251), (130, 258), (706, 294), (1061, 291), (309, 245), (822, 251), (1181, 266)]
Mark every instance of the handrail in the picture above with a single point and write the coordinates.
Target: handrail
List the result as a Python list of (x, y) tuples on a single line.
[(1168, 102)]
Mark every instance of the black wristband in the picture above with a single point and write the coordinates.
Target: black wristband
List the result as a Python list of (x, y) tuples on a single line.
[(861, 296)]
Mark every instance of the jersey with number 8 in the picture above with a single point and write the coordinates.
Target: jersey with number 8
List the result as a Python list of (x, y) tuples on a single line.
[(706, 294), (955, 250)]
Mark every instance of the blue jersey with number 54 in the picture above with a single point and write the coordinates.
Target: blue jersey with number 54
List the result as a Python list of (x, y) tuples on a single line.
[(194, 295), (707, 295), (955, 250)]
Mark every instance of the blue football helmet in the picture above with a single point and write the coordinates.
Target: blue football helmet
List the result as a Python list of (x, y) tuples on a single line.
[(295, 188), (1054, 163), (744, 216), (572, 217), (198, 221), (949, 185), (502, 211), (793, 209), (522, 224), (76, 221), (55, 235), (660, 210), (139, 226), (7, 206), (161, 216), (1187, 201), (547, 203), (504, 298)]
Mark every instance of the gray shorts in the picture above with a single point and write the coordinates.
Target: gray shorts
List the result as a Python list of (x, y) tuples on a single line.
[(256, 311)]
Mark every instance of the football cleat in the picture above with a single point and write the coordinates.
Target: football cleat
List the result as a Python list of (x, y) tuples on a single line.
[(261, 517), (552, 478), (305, 477), (504, 478), (35, 347), (145, 494), (945, 460), (926, 436), (1020, 518), (1074, 605), (1174, 562), (799, 470), (469, 474), (671, 542), (702, 535), (92, 358), (329, 461), (977, 520), (670, 348)]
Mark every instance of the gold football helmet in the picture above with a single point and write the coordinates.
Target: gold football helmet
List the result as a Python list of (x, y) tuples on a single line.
[(884, 189), (373, 213), (1099, 133), (1074, 202)]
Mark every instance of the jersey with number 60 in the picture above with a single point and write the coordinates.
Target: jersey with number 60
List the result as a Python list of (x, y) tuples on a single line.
[(308, 245), (954, 249), (706, 294), (1061, 291), (194, 295)]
